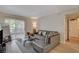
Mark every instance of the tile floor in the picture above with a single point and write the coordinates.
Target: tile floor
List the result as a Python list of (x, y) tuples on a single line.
[(11, 47), (17, 47)]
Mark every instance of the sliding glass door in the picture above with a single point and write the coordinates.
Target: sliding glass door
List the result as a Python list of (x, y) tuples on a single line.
[(16, 28), (19, 29), (12, 24)]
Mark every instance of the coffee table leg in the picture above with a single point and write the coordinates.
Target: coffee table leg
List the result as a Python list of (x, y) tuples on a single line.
[(24, 43)]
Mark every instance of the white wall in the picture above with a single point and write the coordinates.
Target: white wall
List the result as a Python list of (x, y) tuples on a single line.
[(28, 25), (1, 18), (53, 23)]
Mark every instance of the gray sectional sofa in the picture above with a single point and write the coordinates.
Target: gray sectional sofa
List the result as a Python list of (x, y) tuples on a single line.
[(46, 40)]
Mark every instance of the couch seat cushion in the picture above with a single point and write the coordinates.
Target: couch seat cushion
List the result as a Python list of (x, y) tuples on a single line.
[(40, 41)]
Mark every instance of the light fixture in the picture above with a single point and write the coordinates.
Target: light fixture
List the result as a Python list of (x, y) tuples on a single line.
[(34, 24), (34, 17)]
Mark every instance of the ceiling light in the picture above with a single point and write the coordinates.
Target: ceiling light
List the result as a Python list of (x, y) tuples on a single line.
[(34, 17)]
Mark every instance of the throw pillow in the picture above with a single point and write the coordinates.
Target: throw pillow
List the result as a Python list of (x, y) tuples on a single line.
[(44, 33), (39, 32)]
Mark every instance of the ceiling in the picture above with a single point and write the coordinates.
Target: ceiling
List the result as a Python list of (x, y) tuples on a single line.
[(35, 10)]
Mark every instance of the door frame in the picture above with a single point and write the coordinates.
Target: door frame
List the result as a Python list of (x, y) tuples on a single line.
[(66, 28)]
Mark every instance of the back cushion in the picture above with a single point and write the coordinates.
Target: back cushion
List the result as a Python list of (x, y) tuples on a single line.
[(44, 33), (50, 34), (39, 32), (46, 40)]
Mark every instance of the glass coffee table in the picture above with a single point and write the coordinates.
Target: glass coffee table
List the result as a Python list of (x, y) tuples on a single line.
[(29, 39)]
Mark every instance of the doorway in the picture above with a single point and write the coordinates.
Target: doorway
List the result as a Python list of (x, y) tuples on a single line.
[(72, 29)]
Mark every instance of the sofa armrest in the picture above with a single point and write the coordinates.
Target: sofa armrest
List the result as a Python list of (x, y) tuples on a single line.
[(55, 39)]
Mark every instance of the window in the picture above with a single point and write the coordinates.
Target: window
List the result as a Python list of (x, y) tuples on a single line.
[(12, 24), (16, 28)]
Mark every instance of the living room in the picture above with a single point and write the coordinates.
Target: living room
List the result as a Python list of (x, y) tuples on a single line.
[(50, 19)]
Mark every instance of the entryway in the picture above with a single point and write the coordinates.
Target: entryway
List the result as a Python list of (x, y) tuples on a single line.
[(72, 29)]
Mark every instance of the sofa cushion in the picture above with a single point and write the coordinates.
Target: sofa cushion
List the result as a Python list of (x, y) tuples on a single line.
[(41, 41), (46, 40), (50, 34), (39, 32), (44, 33)]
